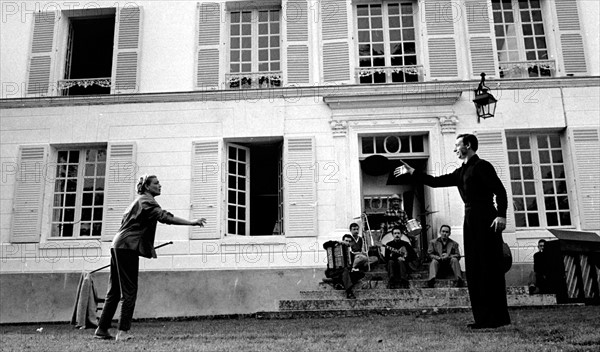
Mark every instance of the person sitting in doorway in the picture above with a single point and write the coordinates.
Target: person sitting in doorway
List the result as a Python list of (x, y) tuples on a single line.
[(539, 277), (398, 256), (360, 259), (444, 252)]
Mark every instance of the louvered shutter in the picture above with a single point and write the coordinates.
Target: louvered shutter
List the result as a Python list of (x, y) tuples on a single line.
[(209, 36), (206, 188), (120, 186), (571, 40), (127, 50), (586, 156), (336, 47), (40, 61), (492, 147), (29, 195), (296, 21), (300, 196), (481, 40), (441, 45)]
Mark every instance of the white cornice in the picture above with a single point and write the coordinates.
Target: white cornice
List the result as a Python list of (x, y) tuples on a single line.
[(392, 94)]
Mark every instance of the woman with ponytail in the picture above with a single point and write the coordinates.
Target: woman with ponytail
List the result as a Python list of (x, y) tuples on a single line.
[(135, 238)]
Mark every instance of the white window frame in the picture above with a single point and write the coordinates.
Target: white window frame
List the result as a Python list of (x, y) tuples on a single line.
[(538, 182), (279, 229), (523, 64), (254, 74), (78, 193), (388, 69), (246, 192), (424, 153)]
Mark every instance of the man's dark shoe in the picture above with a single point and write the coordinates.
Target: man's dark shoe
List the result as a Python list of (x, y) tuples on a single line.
[(459, 283), (431, 283), (102, 334), (404, 284), (350, 295)]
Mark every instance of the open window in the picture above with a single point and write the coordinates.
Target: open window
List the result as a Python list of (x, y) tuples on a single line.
[(254, 197), (89, 56)]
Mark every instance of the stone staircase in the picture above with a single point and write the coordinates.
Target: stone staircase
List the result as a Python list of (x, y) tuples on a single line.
[(372, 296)]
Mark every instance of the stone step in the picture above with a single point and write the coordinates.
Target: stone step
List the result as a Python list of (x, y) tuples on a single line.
[(361, 312), (366, 284), (398, 300), (393, 293)]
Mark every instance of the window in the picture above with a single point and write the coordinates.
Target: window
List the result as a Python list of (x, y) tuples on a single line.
[(521, 39), (254, 204), (538, 181), (387, 46), (392, 145), (78, 197), (89, 56), (254, 49)]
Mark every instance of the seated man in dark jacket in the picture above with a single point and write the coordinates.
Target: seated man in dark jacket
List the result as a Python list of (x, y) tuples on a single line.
[(444, 253), (398, 255)]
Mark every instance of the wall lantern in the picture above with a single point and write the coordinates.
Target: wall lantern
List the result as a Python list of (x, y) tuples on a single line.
[(485, 103)]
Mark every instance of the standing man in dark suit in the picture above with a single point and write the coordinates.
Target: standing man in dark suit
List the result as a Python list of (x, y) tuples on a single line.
[(444, 252), (478, 183)]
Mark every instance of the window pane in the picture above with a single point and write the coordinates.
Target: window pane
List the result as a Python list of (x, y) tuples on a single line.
[(550, 203), (515, 173), (520, 220), (561, 187), (531, 203), (97, 214), (546, 172), (525, 157), (532, 219), (544, 157), (557, 156), (518, 204), (554, 141), (552, 219), (565, 218), (517, 189), (529, 188), (559, 171), (527, 173), (548, 187)]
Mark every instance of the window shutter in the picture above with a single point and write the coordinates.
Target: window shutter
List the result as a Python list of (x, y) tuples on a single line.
[(209, 37), (29, 195), (300, 194), (120, 186), (492, 147), (127, 54), (296, 20), (40, 61), (440, 39), (586, 156), (336, 47), (571, 39), (206, 188), (481, 40)]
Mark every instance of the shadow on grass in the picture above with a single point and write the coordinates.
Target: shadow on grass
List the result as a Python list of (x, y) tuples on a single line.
[(557, 329)]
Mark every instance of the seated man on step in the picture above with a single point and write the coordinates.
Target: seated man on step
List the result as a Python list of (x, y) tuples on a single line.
[(360, 260), (398, 256), (444, 253)]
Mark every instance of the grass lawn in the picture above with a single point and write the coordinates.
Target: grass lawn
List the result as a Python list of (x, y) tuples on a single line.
[(549, 329)]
